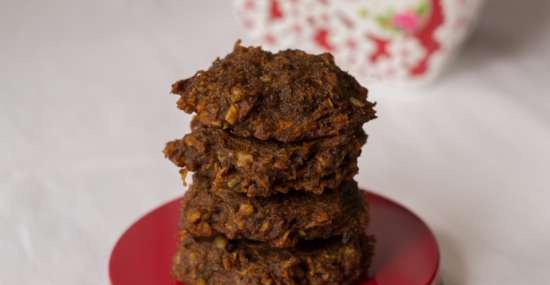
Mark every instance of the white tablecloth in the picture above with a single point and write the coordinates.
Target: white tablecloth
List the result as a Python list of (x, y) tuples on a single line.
[(85, 112)]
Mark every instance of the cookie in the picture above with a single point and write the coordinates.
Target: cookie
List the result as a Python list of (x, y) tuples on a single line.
[(280, 221), (260, 168), (287, 96), (220, 261)]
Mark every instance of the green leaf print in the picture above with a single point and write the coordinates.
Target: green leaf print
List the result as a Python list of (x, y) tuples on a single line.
[(423, 8)]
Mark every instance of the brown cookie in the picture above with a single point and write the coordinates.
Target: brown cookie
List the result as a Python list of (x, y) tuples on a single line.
[(220, 261), (260, 168), (287, 96), (280, 220)]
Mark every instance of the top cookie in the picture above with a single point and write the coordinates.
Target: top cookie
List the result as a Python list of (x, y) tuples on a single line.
[(287, 96)]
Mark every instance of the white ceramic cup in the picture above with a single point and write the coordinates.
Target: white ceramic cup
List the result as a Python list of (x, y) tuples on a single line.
[(388, 41)]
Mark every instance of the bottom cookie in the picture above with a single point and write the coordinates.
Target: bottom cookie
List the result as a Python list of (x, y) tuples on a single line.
[(220, 261)]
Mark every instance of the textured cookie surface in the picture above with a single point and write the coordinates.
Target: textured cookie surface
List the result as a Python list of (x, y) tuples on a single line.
[(286, 96), (280, 220), (219, 261), (260, 168)]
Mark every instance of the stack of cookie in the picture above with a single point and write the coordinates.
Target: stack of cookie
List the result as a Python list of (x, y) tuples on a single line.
[(273, 148)]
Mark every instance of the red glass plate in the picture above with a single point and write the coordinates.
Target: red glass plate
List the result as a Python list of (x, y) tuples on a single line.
[(406, 251)]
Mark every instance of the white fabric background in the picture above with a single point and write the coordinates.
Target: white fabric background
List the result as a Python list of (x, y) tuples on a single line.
[(85, 112)]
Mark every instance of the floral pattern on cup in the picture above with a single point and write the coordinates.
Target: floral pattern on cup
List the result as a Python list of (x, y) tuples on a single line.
[(380, 40), (406, 21)]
